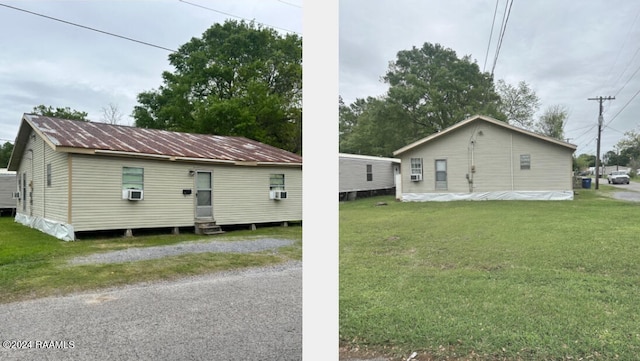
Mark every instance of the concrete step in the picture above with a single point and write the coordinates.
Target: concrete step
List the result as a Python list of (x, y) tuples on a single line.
[(208, 228)]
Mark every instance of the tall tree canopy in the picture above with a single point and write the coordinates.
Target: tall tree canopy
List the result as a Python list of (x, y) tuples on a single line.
[(64, 113), (552, 122), (430, 89), (5, 154), (518, 103), (238, 79), (436, 89)]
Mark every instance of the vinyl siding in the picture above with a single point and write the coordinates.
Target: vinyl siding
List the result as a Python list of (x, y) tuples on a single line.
[(55, 197), (496, 156), (97, 194), (240, 194), (353, 174), (33, 162)]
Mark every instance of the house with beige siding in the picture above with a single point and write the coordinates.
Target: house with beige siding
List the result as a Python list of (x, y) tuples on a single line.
[(363, 174), (481, 158), (75, 176)]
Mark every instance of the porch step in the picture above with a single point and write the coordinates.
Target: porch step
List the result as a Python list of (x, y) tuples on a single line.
[(208, 228)]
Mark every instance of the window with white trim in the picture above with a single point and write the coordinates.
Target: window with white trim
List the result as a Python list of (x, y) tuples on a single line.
[(276, 182), (525, 161), (369, 172), (441, 174), (132, 178), (416, 166)]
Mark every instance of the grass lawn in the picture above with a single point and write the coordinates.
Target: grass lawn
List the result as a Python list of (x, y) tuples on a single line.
[(495, 280), (33, 264)]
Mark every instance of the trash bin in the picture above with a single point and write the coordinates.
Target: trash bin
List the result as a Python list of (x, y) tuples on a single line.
[(586, 182)]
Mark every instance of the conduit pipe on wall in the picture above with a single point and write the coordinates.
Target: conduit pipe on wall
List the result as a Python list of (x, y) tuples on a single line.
[(511, 161)]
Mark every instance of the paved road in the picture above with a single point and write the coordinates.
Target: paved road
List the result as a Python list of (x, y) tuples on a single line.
[(628, 192), (248, 315)]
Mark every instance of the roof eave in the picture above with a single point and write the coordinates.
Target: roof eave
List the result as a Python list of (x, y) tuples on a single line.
[(487, 119)]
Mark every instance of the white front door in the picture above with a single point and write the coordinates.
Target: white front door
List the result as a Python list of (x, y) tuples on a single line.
[(204, 205)]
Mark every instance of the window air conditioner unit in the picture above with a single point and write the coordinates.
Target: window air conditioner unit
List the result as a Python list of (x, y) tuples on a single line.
[(135, 194), (277, 194), (416, 177), (15, 195)]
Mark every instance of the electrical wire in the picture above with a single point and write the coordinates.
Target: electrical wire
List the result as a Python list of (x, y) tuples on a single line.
[(236, 16), (628, 80), (88, 28), (620, 111), (493, 22), (502, 31), (288, 3), (620, 51)]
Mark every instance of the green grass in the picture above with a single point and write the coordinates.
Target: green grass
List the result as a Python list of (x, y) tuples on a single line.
[(516, 280), (33, 264)]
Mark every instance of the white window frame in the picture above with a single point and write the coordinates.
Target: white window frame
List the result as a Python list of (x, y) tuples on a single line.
[(416, 166), (441, 184), (131, 172), (369, 172), (276, 182)]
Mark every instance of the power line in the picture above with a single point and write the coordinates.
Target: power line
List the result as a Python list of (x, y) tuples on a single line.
[(620, 111), (631, 77), (236, 16), (288, 3), (493, 22), (88, 28), (502, 31), (620, 51)]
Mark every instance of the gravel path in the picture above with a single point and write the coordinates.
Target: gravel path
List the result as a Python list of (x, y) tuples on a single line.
[(146, 253)]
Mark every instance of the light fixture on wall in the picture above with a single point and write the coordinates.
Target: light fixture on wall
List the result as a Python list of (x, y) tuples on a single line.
[(192, 172)]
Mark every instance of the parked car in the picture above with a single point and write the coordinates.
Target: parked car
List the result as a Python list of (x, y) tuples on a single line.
[(618, 177)]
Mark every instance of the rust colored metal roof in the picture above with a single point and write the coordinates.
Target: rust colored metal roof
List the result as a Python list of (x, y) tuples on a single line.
[(118, 138)]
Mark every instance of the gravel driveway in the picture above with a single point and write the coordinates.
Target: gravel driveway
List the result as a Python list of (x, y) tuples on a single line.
[(146, 253)]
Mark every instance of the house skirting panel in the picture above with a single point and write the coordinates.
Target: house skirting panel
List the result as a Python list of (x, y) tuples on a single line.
[(57, 229), (490, 196)]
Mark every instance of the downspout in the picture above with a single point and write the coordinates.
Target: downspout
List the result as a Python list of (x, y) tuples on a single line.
[(31, 186), (470, 159), (511, 158), (44, 183)]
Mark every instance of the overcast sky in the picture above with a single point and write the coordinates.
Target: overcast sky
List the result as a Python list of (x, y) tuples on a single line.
[(567, 51), (47, 62)]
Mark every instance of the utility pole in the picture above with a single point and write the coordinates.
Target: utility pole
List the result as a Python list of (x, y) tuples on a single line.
[(600, 119)]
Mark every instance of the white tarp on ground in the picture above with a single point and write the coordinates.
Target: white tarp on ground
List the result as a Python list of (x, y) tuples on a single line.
[(490, 196), (59, 230)]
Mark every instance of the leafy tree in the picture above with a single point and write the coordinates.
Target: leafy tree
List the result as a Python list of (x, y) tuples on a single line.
[(551, 123), (519, 104), (238, 79), (586, 160), (348, 120), (435, 89), (64, 113), (376, 131), (629, 147), (5, 154)]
